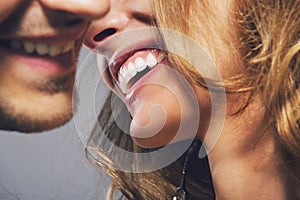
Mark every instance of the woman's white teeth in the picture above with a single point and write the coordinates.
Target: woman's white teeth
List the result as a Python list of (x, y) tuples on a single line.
[(151, 60), (126, 73), (41, 49), (131, 72), (140, 64)]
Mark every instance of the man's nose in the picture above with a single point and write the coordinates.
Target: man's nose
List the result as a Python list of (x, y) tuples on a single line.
[(89, 9)]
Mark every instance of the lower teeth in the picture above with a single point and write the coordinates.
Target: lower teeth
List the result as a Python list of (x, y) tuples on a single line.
[(138, 76)]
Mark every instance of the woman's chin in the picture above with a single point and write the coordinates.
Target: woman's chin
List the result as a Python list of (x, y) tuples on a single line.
[(159, 131), (163, 113), (160, 139)]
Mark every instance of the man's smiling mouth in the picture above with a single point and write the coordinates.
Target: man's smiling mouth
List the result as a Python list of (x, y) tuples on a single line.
[(37, 48)]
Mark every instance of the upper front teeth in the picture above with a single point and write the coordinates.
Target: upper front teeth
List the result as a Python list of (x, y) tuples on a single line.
[(126, 73), (41, 48), (151, 60), (140, 64)]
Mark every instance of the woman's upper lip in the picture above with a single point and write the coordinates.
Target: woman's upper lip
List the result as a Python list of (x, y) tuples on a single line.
[(122, 56), (117, 49)]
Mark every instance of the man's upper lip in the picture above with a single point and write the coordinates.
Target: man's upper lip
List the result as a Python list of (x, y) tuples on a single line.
[(54, 37), (51, 40)]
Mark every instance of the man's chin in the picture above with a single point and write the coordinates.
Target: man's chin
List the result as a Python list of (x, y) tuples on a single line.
[(38, 105), (25, 124)]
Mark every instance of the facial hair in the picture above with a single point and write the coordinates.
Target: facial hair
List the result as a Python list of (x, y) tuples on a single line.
[(10, 121)]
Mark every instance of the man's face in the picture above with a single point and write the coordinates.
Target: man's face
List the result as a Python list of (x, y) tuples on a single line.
[(39, 45)]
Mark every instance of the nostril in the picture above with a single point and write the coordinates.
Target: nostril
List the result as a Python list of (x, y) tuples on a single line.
[(104, 34)]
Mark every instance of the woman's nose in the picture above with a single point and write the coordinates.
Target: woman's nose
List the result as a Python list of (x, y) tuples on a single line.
[(90, 9), (104, 28)]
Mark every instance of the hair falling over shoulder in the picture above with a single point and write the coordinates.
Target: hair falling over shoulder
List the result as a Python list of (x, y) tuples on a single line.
[(268, 44)]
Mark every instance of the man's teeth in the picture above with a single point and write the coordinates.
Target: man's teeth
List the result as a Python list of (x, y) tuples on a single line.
[(41, 49), (126, 73)]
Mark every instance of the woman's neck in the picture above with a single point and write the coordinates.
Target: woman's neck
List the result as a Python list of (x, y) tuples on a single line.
[(247, 174), (246, 162)]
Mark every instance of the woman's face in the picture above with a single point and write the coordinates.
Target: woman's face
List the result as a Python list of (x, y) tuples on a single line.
[(164, 106)]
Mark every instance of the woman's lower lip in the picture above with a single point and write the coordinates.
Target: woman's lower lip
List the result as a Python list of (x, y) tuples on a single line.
[(133, 91), (41, 64)]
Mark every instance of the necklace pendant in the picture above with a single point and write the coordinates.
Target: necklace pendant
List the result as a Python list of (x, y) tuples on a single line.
[(180, 194)]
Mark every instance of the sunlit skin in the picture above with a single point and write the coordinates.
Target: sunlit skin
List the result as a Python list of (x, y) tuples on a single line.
[(36, 90)]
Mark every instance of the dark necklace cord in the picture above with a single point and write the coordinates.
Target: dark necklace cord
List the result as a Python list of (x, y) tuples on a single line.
[(181, 191)]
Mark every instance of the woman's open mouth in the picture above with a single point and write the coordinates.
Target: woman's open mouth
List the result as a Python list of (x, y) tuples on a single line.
[(132, 67)]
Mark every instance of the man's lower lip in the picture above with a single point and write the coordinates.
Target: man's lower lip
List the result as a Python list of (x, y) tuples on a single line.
[(46, 64)]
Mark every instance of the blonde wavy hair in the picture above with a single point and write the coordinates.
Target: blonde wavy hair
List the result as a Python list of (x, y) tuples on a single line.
[(267, 44)]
